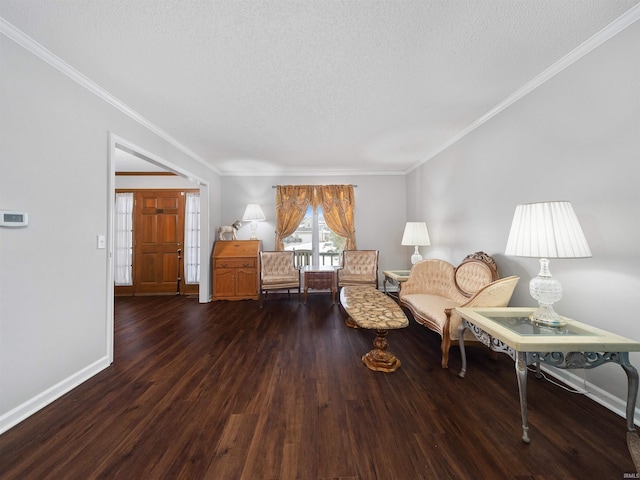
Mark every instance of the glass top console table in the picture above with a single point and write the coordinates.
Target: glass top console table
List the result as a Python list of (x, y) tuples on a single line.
[(396, 278), (577, 345)]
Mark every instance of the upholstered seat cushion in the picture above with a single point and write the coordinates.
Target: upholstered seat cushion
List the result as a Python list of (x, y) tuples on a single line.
[(429, 308), (355, 279), (292, 280)]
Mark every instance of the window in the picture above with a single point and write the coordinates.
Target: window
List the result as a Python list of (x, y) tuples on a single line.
[(315, 220), (192, 238), (123, 239), (314, 242)]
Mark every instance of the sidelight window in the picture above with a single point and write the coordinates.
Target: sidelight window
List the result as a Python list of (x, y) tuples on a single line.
[(123, 241), (192, 238)]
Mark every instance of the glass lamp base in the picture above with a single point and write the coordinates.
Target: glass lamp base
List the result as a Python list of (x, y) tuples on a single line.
[(254, 228), (546, 315), (546, 290)]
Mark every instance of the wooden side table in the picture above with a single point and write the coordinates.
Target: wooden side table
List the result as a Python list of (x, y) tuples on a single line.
[(319, 277)]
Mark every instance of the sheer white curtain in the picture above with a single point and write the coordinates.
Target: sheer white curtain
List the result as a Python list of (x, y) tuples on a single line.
[(192, 238), (123, 253)]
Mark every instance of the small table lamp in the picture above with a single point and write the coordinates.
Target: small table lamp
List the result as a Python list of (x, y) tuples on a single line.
[(416, 234), (546, 230), (253, 214)]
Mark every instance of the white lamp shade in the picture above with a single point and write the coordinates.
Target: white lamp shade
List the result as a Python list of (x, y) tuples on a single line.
[(546, 230), (252, 213), (416, 234)]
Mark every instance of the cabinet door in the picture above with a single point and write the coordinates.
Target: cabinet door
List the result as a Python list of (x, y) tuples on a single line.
[(246, 282), (223, 282)]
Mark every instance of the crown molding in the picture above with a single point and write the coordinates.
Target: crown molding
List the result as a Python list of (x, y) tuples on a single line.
[(147, 174), (316, 173), (56, 62), (618, 25)]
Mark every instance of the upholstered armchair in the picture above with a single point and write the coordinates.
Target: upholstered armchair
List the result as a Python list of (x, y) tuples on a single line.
[(358, 267), (435, 288), (278, 272)]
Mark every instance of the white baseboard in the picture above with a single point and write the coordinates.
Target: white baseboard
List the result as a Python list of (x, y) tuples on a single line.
[(31, 406), (595, 393)]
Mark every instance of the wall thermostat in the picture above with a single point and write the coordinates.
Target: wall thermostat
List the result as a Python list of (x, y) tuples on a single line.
[(13, 219)]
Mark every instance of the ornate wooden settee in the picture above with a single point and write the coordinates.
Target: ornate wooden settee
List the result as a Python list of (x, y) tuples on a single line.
[(435, 288)]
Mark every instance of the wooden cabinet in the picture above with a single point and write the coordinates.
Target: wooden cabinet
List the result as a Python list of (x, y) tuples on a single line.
[(236, 269)]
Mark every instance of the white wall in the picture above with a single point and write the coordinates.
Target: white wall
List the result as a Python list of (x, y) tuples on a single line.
[(132, 182), (54, 302), (576, 138), (380, 211)]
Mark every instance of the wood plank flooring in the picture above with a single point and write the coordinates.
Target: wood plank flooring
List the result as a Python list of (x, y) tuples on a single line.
[(227, 390)]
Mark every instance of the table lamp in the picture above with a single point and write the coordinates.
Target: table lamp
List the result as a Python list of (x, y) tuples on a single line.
[(546, 230), (253, 214), (416, 234)]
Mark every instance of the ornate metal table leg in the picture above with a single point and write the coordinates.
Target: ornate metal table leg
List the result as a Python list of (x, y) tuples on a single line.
[(521, 372), (632, 388), (538, 371), (463, 353)]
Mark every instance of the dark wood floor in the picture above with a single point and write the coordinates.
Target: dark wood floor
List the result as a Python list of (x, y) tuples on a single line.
[(227, 390)]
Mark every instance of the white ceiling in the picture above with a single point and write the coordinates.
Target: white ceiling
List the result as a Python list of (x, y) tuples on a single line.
[(311, 87)]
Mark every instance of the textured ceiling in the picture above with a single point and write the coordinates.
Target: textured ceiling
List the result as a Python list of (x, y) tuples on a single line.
[(311, 87)]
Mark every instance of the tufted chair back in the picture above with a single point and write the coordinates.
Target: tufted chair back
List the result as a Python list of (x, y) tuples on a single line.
[(359, 267), (474, 272), (277, 266), (435, 277)]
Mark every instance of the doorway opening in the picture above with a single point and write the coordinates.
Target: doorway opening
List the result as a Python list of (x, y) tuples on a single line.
[(148, 162), (156, 238)]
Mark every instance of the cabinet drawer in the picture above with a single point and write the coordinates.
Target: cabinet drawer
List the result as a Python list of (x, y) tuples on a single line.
[(319, 280), (234, 263)]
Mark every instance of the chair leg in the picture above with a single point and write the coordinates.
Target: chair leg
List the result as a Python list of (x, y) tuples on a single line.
[(445, 346), (263, 297)]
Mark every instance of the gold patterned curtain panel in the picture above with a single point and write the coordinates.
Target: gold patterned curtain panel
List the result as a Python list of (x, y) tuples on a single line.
[(291, 205), (338, 206), (337, 203)]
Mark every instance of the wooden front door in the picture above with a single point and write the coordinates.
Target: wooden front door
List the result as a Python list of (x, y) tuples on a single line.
[(158, 235)]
